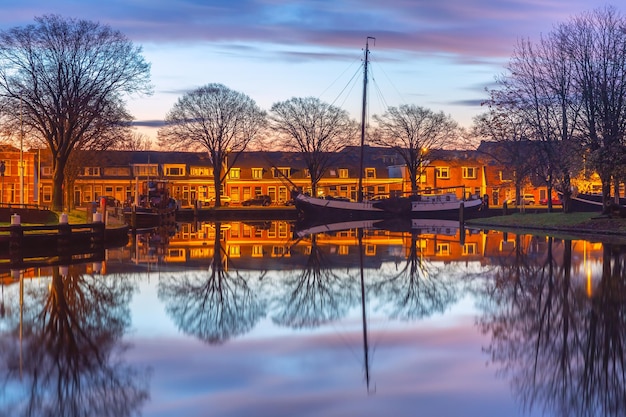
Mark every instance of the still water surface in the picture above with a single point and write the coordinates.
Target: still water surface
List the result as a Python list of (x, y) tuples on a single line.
[(244, 319)]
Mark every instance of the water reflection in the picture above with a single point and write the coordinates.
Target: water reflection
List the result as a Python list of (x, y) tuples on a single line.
[(560, 342), (61, 349), (213, 304), (552, 311)]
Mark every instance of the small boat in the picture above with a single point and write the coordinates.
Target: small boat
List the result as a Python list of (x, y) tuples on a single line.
[(154, 208)]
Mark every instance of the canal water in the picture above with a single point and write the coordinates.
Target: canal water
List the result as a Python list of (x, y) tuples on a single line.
[(256, 319)]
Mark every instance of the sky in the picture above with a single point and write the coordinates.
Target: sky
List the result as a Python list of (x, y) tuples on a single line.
[(438, 54)]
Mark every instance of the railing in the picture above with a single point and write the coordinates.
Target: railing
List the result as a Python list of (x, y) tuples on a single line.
[(24, 206), (27, 246)]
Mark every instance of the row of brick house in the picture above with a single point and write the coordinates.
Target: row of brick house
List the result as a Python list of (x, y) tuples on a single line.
[(190, 175)]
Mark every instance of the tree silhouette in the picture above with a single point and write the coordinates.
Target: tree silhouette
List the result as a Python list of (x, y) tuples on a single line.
[(215, 305), (317, 294), (68, 354), (562, 350), (418, 289)]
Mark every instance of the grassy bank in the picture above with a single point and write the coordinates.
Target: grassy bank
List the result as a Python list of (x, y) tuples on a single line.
[(570, 223)]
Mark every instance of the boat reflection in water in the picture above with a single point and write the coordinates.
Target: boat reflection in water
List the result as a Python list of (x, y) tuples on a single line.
[(283, 311)]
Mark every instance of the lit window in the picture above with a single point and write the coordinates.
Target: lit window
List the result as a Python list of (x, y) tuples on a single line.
[(281, 172), (257, 173), (469, 172), (175, 171), (234, 173), (145, 170), (443, 249), (201, 171), (470, 249), (370, 172), (91, 171), (442, 172), (343, 173)]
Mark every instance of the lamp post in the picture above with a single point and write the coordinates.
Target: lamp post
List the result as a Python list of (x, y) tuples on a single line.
[(2, 169), (21, 167)]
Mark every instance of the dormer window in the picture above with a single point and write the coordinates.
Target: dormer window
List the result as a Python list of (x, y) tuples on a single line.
[(234, 173), (370, 172), (281, 172), (257, 173), (174, 170), (91, 171), (343, 173)]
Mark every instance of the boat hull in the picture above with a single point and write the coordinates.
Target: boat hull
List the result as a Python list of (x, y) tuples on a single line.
[(146, 218), (433, 208)]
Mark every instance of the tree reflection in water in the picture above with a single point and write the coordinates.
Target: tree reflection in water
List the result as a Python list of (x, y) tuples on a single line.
[(215, 305), (562, 347), (318, 293), (419, 288), (68, 357)]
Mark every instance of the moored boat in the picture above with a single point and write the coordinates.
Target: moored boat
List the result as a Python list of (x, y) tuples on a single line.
[(418, 226), (154, 207), (440, 206)]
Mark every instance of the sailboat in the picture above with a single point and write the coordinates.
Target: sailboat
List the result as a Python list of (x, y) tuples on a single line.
[(441, 204)]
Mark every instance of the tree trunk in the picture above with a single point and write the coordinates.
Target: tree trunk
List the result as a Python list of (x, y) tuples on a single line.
[(58, 179)]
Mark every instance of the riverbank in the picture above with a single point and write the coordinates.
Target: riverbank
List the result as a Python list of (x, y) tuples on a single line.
[(565, 225)]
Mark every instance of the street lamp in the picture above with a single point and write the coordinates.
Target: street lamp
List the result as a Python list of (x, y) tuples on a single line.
[(2, 169)]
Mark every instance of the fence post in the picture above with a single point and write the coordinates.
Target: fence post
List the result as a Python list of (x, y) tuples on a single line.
[(16, 240), (64, 237)]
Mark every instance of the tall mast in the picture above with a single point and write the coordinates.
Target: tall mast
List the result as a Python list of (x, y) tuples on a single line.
[(363, 114)]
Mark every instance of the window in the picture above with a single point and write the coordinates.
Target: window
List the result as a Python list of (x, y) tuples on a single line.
[(145, 170), (442, 172), (281, 172), (257, 173), (442, 249), (470, 249), (45, 171), (91, 171), (370, 172), (469, 172), (201, 171), (175, 171), (234, 173), (116, 171), (257, 251), (343, 173), (46, 192)]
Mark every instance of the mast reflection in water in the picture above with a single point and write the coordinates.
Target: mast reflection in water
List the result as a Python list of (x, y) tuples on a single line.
[(268, 318)]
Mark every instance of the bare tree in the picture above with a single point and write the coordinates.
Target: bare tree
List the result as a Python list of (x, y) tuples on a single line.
[(508, 132), (316, 129), (596, 42), (412, 131), (64, 81), (136, 141), (217, 119), (538, 89)]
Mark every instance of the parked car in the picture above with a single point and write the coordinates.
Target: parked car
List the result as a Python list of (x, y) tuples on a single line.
[(526, 200), (555, 201), (224, 201), (110, 201), (259, 200)]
